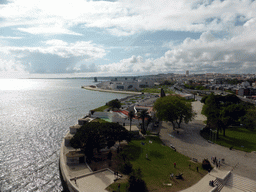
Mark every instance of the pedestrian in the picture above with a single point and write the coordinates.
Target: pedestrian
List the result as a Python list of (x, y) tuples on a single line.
[(174, 165), (197, 169), (75, 180), (119, 187), (189, 166)]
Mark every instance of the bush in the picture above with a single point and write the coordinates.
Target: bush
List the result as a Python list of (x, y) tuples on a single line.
[(206, 164)]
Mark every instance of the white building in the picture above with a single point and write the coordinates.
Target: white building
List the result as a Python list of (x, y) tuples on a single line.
[(132, 85)]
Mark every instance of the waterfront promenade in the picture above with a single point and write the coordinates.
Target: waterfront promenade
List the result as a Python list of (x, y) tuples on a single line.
[(188, 142), (80, 178), (110, 90)]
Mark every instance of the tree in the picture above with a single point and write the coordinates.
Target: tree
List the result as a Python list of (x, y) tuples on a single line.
[(249, 120), (223, 111), (162, 93), (174, 109), (136, 183), (114, 104), (96, 135), (142, 115), (131, 115), (211, 110)]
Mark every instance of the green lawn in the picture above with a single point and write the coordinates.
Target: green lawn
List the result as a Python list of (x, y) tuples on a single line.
[(157, 90), (240, 138), (101, 109), (160, 163)]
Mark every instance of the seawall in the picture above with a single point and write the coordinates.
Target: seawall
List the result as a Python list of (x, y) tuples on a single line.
[(66, 182), (111, 91)]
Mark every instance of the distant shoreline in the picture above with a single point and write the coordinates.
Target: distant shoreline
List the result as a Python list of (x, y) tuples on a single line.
[(111, 91)]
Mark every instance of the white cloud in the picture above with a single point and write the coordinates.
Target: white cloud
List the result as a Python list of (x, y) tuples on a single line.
[(126, 17), (235, 52), (10, 68), (43, 29), (206, 54), (9, 37), (56, 56), (60, 48)]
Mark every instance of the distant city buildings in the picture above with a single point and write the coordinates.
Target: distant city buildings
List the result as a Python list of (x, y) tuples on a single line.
[(131, 84), (240, 84)]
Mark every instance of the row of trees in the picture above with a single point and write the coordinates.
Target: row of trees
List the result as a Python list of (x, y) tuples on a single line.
[(95, 135), (223, 111)]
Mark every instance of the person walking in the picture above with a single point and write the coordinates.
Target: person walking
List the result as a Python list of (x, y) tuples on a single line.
[(174, 165)]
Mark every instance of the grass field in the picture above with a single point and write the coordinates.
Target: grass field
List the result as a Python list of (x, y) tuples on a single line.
[(157, 168), (101, 109), (157, 89), (240, 138)]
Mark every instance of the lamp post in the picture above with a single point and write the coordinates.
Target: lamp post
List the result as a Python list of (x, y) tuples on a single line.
[(213, 135)]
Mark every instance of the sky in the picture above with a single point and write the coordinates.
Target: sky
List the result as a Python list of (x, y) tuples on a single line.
[(86, 38)]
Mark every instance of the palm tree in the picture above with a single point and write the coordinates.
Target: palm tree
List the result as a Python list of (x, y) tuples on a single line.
[(131, 115), (143, 114)]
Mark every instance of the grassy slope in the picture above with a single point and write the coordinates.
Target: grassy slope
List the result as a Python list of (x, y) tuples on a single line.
[(157, 89), (101, 109), (238, 137), (160, 163)]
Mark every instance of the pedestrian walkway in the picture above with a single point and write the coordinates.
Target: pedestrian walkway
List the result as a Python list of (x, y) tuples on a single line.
[(203, 184), (224, 181), (240, 183), (95, 182), (189, 142)]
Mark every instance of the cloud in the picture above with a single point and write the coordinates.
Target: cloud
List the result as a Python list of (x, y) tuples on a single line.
[(86, 50), (227, 42), (56, 56), (43, 29), (10, 68), (9, 37), (123, 18), (206, 54)]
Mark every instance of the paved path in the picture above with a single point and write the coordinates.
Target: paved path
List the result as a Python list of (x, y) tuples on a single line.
[(190, 143), (111, 90), (203, 184)]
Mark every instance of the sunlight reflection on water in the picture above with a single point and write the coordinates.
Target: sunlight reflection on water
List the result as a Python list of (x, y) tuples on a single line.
[(35, 114)]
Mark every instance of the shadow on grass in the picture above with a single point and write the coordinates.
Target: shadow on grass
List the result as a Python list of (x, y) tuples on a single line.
[(241, 130), (237, 143), (156, 154), (132, 151)]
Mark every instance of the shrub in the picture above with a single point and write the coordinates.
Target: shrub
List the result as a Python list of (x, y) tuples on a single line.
[(206, 164)]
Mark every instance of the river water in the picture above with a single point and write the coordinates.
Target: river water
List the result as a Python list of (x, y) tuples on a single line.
[(35, 114)]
